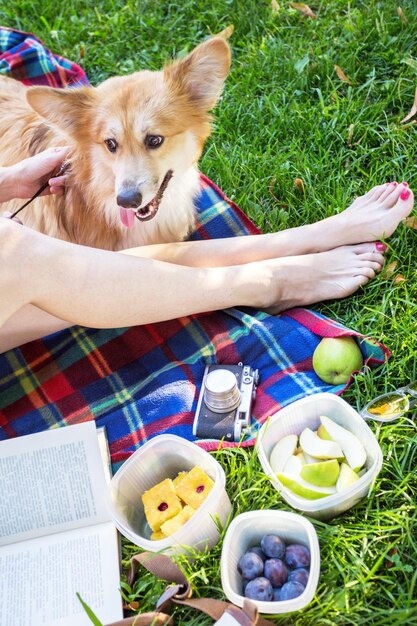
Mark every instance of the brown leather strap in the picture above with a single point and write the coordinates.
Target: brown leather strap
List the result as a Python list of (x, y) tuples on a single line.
[(159, 565), (180, 594), (248, 616)]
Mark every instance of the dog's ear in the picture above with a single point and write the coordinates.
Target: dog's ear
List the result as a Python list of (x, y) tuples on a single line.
[(67, 108), (200, 76)]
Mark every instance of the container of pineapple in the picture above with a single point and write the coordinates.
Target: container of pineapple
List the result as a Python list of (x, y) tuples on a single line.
[(170, 495), (320, 455)]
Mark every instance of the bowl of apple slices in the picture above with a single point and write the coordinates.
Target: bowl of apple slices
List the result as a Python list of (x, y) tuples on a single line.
[(320, 455)]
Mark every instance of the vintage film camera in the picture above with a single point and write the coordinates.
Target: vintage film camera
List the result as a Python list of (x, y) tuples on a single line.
[(225, 402)]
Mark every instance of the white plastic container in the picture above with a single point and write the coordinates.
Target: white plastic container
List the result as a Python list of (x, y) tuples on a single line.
[(305, 413), (160, 458), (246, 531)]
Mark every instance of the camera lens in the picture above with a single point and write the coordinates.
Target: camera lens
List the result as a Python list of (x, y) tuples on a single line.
[(221, 392)]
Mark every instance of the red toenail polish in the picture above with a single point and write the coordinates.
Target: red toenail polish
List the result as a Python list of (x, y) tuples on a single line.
[(394, 184), (405, 194), (404, 183), (381, 247)]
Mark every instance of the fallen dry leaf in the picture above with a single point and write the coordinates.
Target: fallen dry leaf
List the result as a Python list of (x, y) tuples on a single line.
[(226, 33), (411, 222), (299, 185), (389, 562), (398, 279), (413, 110), (82, 52), (390, 268), (275, 8), (401, 15), (304, 9), (132, 606), (342, 75)]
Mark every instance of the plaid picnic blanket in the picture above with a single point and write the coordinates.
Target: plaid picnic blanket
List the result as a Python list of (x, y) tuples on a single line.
[(142, 381)]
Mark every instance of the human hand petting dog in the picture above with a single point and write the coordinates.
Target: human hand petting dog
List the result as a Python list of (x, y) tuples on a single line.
[(23, 179)]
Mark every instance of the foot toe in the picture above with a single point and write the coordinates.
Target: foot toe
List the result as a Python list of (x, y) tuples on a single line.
[(391, 195), (377, 191)]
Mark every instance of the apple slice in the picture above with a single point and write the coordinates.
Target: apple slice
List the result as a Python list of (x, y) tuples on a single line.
[(294, 465), (322, 474), (352, 448), (308, 458), (347, 477), (319, 448), (282, 451), (323, 434), (304, 489)]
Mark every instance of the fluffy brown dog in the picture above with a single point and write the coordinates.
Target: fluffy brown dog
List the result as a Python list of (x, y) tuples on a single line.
[(127, 137)]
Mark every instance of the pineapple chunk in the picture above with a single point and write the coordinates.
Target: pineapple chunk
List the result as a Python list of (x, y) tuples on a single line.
[(161, 503), (156, 536), (172, 525), (194, 487), (178, 478)]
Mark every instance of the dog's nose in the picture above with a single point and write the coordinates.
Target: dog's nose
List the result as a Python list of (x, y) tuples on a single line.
[(129, 198)]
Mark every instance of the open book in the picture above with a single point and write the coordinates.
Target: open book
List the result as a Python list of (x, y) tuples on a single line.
[(56, 536)]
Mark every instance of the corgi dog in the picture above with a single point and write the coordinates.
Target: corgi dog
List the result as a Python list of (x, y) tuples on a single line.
[(134, 143)]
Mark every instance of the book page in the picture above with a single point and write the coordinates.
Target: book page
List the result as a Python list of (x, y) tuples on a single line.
[(39, 579), (50, 482)]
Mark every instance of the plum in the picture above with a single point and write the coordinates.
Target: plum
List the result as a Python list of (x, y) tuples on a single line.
[(250, 566), (277, 594), (273, 546), (299, 575), (297, 556), (276, 572), (259, 589), (258, 551), (291, 590)]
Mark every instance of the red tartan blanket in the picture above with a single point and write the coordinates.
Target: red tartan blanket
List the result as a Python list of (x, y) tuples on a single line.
[(143, 381)]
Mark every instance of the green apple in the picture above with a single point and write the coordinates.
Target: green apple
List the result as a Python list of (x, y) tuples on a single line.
[(351, 446), (322, 474), (282, 451), (347, 477), (319, 448), (304, 489), (336, 358)]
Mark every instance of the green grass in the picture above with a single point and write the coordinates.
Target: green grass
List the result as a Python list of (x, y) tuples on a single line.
[(286, 114)]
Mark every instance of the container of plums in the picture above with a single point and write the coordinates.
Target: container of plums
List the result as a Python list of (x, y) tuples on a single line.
[(272, 558), (170, 496), (320, 455)]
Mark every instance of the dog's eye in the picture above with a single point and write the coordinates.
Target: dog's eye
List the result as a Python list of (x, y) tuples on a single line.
[(154, 141), (111, 145)]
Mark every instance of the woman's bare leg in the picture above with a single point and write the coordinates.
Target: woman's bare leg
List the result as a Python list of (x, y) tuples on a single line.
[(105, 289), (371, 217), (381, 209), (27, 324)]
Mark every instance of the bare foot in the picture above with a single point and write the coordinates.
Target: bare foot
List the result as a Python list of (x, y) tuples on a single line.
[(304, 280), (373, 216)]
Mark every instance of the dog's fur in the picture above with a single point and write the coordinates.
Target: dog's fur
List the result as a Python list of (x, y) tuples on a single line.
[(173, 103)]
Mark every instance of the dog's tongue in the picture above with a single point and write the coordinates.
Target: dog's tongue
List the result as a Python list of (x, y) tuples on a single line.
[(127, 217)]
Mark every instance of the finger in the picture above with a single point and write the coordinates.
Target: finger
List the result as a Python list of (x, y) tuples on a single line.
[(47, 161), (58, 181), (57, 191)]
